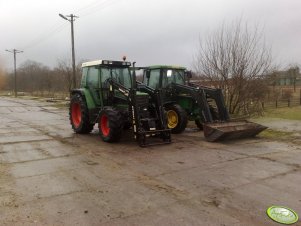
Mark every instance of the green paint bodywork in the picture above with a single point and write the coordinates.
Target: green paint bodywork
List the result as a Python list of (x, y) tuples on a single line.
[(89, 98), (186, 102), (183, 99), (138, 93), (189, 105)]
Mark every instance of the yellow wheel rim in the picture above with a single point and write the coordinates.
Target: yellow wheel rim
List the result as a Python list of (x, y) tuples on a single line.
[(172, 119)]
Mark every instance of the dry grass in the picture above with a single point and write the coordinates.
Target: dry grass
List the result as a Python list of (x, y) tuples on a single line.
[(293, 113)]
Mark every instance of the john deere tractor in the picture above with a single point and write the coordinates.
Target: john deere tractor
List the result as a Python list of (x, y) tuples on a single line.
[(108, 97), (185, 101)]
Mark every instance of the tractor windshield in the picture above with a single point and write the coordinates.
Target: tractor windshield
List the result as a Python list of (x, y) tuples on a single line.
[(173, 75), (121, 75)]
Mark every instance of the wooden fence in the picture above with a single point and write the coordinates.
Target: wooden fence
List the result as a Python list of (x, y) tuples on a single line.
[(290, 102)]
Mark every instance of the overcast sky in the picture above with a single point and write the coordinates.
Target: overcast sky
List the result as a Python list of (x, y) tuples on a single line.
[(146, 31)]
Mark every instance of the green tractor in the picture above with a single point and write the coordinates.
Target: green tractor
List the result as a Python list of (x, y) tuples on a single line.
[(205, 106), (108, 96)]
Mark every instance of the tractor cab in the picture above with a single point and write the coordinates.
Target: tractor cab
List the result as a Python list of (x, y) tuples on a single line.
[(95, 76), (162, 76), (108, 96)]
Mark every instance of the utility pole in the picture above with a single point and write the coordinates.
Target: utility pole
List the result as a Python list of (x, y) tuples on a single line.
[(15, 51), (72, 18)]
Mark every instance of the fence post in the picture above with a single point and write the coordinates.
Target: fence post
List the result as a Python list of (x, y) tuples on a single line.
[(288, 102), (262, 104)]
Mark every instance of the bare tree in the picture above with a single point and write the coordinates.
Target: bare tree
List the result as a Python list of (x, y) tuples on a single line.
[(33, 77), (64, 72), (2, 79), (236, 59)]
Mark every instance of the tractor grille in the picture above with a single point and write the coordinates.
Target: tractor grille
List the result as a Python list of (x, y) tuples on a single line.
[(142, 100), (142, 104)]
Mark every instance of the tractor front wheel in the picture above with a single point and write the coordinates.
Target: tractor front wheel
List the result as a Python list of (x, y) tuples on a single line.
[(79, 114), (176, 118), (110, 125)]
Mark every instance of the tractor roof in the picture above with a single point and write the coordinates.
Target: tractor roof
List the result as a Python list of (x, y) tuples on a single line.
[(166, 67), (107, 63)]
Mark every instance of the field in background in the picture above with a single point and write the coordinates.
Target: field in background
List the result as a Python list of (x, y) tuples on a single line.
[(293, 113), (284, 124)]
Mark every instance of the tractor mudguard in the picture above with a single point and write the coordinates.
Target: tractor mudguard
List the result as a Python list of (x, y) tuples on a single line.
[(169, 103), (85, 93)]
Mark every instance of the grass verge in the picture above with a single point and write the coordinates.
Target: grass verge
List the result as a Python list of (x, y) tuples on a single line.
[(293, 113), (275, 134)]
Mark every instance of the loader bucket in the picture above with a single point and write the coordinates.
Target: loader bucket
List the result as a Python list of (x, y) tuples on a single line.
[(231, 130)]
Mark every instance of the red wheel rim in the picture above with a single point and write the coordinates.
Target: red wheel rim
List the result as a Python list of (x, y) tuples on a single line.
[(76, 114), (104, 125)]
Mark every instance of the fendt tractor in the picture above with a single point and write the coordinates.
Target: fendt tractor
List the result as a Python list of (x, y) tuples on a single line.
[(185, 101), (108, 96)]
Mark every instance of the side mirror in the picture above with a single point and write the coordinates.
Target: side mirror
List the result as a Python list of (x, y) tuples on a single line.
[(188, 74)]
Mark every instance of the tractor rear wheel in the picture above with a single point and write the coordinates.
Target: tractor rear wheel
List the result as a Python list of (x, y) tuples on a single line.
[(79, 114), (176, 118), (110, 125)]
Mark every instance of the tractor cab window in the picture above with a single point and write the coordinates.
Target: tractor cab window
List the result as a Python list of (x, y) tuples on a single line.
[(171, 75), (179, 77), (154, 78), (122, 76), (105, 74), (93, 77), (84, 76)]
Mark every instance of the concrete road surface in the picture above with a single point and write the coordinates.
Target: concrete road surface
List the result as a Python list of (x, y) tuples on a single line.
[(51, 176)]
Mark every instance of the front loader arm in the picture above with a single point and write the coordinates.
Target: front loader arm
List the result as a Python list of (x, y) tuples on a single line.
[(156, 95), (218, 97), (199, 96), (130, 95), (114, 85)]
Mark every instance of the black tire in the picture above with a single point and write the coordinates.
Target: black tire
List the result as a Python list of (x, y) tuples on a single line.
[(110, 129), (79, 115), (179, 125)]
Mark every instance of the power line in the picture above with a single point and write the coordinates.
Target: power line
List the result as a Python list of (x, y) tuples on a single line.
[(86, 7), (86, 10), (46, 36), (102, 6), (15, 51), (94, 6)]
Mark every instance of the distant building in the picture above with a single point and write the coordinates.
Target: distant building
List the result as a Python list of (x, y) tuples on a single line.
[(290, 77)]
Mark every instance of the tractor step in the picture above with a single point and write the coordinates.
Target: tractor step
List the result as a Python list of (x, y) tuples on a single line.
[(231, 130), (150, 138)]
